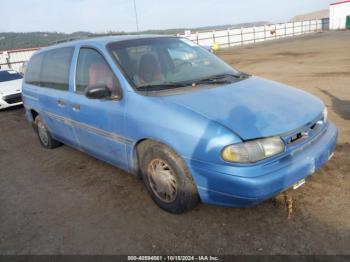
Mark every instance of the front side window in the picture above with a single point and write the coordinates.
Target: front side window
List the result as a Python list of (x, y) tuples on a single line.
[(167, 61), (9, 75), (92, 70), (55, 68)]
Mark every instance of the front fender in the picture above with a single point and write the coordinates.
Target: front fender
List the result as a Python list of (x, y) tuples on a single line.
[(190, 134)]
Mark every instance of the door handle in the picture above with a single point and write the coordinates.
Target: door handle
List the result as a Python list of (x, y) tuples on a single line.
[(61, 102), (76, 107)]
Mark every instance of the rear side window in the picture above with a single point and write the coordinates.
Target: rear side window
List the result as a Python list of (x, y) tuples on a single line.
[(32, 75), (55, 68), (50, 69)]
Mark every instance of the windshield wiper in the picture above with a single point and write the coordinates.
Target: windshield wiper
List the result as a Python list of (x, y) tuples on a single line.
[(219, 79), (215, 79), (158, 87)]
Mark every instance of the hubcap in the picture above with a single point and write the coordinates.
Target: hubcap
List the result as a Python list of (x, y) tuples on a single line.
[(162, 180), (43, 133)]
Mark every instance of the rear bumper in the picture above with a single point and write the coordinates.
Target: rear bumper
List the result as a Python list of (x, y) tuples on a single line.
[(242, 186)]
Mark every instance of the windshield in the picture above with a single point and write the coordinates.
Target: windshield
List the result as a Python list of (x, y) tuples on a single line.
[(9, 75), (168, 62)]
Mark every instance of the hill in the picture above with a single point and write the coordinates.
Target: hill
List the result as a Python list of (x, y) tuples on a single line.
[(13, 40), (35, 39)]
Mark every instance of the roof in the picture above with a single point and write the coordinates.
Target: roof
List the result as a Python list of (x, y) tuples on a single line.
[(103, 40), (342, 2), (311, 16)]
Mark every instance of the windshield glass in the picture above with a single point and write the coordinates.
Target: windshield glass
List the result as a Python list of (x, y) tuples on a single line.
[(9, 75), (166, 62)]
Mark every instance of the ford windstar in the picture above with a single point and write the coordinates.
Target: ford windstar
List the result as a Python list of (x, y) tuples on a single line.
[(171, 112)]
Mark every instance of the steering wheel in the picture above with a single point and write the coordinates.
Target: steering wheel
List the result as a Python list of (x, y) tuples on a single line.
[(181, 63)]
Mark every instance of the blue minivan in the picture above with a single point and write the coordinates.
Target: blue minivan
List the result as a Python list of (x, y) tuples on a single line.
[(169, 111)]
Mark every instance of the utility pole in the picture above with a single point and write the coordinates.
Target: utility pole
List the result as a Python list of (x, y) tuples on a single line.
[(137, 21)]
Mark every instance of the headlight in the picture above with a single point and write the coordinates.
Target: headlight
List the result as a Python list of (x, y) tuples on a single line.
[(253, 151), (325, 115)]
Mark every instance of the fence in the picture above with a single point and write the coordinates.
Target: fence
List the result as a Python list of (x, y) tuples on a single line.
[(249, 35), (14, 59)]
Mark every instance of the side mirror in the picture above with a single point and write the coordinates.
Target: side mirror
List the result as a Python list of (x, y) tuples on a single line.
[(97, 92)]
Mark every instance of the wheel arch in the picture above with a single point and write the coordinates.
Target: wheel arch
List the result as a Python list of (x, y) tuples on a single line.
[(134, 157), (33, 113)]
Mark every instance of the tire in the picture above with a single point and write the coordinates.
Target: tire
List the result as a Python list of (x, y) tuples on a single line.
[(44, 135), (173, 178)]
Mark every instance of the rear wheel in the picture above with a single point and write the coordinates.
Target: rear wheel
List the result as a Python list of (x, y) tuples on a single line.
[(44, 135), (167, 178)]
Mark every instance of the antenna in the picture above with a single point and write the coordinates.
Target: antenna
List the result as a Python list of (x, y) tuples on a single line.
[(137, 21)]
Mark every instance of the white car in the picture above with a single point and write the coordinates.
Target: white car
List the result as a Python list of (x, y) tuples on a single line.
[(10, 88)]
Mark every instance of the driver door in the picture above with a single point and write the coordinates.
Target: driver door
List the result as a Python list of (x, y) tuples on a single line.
[(98, 123)]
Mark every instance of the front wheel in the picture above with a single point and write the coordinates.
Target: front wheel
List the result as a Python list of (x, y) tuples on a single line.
[(44, 135), (167, 178)]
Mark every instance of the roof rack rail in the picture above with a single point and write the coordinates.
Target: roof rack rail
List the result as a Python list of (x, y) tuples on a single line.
[(85, 37), (65, 40), (105, 34)]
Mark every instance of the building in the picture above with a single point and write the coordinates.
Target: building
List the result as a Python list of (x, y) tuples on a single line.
[(338, 15), (318, 15)]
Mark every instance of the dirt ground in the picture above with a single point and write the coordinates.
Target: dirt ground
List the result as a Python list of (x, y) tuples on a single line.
[(65, 202)]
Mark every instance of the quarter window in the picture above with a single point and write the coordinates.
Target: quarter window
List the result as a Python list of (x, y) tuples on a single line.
[(92, 69), (32, 75)]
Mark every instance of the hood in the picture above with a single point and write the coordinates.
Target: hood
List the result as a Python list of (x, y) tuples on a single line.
[(10, 87), (254, 107)]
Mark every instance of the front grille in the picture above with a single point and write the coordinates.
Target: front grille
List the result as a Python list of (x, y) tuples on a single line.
[(13, 99), (305, 133)]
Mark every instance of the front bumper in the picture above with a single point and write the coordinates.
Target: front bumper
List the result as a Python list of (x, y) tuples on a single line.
[(242, 186), (10, 100)]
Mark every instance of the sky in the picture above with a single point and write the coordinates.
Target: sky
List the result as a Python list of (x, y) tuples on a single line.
[(118, 15)]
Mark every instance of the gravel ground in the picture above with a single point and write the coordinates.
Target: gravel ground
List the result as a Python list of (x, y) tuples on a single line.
[(65, 202)]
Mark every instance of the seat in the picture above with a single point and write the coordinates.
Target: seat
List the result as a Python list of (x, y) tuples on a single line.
[(149, 70)]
